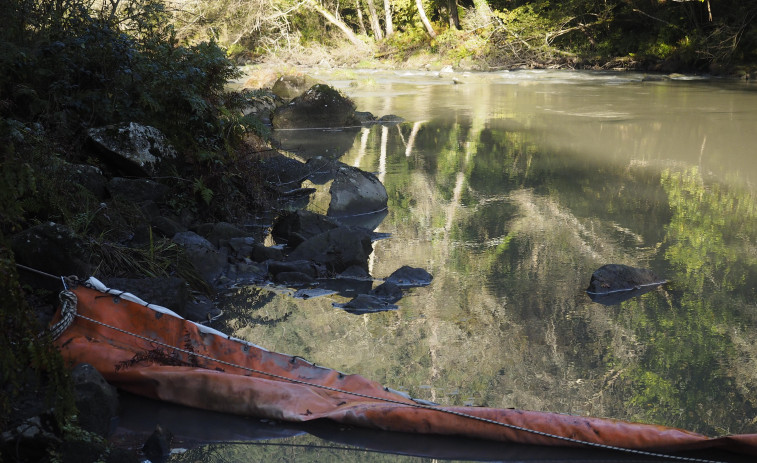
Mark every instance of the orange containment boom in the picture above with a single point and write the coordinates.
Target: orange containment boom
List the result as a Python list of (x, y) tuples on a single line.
[(150, 351)]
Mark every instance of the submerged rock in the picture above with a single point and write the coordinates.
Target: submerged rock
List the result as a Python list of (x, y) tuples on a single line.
[(615, 283), (388, 292), (295, 227), (407, 276), (336, 249), (390, 119), (366, 303)]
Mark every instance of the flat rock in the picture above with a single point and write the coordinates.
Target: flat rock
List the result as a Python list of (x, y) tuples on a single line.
[(366, 303)]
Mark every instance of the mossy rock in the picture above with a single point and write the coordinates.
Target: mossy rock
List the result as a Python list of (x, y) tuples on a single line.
[(321, 106)]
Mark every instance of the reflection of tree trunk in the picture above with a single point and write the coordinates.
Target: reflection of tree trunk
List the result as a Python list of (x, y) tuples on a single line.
[(454, 18), (382, 156), (359, 10), (424, 19), (455, 201), (335, 21), (411, 140), (363, 145), (388, 11), (375, 26)]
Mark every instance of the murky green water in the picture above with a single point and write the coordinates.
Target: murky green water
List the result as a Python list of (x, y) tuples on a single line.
[(511, 189)]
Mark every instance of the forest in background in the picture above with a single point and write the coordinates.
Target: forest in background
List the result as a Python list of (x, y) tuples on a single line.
[(677, 35)]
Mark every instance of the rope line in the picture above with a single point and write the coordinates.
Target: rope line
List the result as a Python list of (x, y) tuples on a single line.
[(645, 285), (332, 129), (398, 402)]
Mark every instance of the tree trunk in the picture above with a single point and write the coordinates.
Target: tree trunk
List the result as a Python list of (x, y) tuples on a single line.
[(341, 25), (454, 18), (424, 19), (375, 26), (359, 10), (388, 11)]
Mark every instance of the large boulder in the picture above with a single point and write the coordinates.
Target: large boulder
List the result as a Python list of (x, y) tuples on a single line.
[(336, 249), (96, 400), (209, 262), (137, 190), (282, 171), (134, 149), (220, 234), (321, 106), (614, 283), (262, 104), (52, 248), (88, 177), (292, 86), (356, 192), (170, 292)]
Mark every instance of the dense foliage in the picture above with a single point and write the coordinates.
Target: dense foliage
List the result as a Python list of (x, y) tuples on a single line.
[(67, 66), (683, 35)]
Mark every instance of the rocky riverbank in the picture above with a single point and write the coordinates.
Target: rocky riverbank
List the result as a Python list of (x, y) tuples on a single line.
[(172, 250)]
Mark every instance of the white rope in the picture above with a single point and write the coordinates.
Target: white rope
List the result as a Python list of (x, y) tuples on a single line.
[(398, 402), (68, 303)]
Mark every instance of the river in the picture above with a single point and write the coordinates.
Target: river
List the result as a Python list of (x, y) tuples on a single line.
[(511, 188)]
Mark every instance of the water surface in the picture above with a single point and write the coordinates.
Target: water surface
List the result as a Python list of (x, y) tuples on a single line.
[(511, 188)]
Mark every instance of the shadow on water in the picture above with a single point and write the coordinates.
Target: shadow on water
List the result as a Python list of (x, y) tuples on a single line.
[(214, 437)]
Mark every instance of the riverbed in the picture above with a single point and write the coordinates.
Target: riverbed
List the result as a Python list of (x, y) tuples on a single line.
[(511, 188)]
